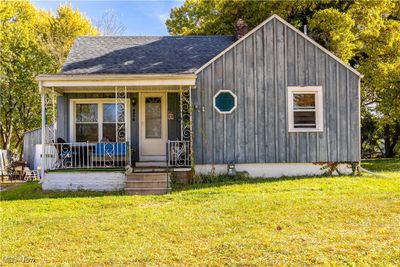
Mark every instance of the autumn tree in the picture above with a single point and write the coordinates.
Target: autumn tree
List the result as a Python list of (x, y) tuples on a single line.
[(368, 35), (32, 42), (204, 17), (60, 30)]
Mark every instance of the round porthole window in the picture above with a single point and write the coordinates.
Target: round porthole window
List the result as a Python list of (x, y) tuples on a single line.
[(225, 101)]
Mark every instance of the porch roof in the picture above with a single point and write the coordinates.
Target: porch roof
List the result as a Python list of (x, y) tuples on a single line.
[(107, 82)]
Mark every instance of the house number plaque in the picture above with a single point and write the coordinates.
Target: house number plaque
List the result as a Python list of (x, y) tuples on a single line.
[(170, 116)]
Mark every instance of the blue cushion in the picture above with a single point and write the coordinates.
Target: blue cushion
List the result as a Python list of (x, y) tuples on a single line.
[(116, 149)]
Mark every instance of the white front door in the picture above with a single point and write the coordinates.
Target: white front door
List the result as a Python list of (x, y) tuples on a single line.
[(153, 126)]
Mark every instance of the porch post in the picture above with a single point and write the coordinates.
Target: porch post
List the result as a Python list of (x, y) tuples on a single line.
[(53, 105), (190, 115), (181, 110), (43, 97), (191, 128)]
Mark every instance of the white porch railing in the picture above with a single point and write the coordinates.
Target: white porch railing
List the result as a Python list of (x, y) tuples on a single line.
[(179, 153), (85, 155)]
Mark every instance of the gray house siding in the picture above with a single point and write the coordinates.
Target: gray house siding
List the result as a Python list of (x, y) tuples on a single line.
[(258, 70)]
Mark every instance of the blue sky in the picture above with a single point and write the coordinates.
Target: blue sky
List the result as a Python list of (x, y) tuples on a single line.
[(139, 17)]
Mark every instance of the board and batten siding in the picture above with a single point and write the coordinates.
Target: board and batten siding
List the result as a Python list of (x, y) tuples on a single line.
[(259, 70)]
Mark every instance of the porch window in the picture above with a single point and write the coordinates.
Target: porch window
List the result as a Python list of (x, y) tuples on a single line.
[(305, 109), (112, 112), (100, 121), (87, 122)]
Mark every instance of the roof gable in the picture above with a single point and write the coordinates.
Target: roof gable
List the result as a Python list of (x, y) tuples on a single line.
[(142, 54), (307, 38)]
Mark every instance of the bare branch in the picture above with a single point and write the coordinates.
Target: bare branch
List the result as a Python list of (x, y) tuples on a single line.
[(110, 25)]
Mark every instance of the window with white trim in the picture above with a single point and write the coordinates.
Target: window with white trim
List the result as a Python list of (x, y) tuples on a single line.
[(305, 109), (97, 121), (225, 101)]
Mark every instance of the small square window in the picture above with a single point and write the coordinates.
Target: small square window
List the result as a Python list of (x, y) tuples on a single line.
[(305, 109)]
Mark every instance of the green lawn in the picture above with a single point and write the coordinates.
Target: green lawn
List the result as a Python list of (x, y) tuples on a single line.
[(310, 221)]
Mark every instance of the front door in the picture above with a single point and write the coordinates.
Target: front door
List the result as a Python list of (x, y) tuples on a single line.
[(153, 126)]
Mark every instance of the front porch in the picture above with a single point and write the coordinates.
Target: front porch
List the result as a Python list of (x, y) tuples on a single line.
[(116, 123)]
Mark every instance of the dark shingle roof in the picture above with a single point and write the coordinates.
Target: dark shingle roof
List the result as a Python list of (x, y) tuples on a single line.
[(142, 54)]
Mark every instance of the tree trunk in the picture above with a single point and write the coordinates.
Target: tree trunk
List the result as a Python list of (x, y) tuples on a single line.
[(391, 139)]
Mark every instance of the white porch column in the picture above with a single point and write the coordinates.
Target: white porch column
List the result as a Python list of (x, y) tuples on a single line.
[(53, 106), (43, 96)]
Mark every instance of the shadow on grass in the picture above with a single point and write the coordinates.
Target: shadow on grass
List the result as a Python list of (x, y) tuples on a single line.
[(209, 181), (382, 165), (33, 190)]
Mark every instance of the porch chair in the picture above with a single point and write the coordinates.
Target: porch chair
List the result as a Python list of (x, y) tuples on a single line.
[(64, 152), (18, 169)]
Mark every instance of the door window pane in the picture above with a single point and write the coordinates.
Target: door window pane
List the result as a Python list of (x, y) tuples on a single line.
[(86, 112), (153, 117), (303, 101), (304, 119), (87, 132), (109, 112)]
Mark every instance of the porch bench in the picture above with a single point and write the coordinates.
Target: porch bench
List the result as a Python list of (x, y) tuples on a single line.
[(109, 152)]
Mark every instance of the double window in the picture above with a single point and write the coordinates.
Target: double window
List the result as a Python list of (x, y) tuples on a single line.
[(305, 106), (98, 121)]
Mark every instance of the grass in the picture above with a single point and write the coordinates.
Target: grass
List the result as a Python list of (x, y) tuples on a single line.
[(309, 221)]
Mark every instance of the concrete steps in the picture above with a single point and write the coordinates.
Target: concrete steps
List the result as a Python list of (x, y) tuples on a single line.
[(151, 164), (147, 183), (149, 169)]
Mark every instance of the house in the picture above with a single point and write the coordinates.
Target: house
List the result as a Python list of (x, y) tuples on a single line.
[(270, 102)]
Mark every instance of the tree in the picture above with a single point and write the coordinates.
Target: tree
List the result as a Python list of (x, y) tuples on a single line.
[(110, 25), (378, 29), (197, 17), (21, 59), (60, 31), (31, 42), (334, 30)]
